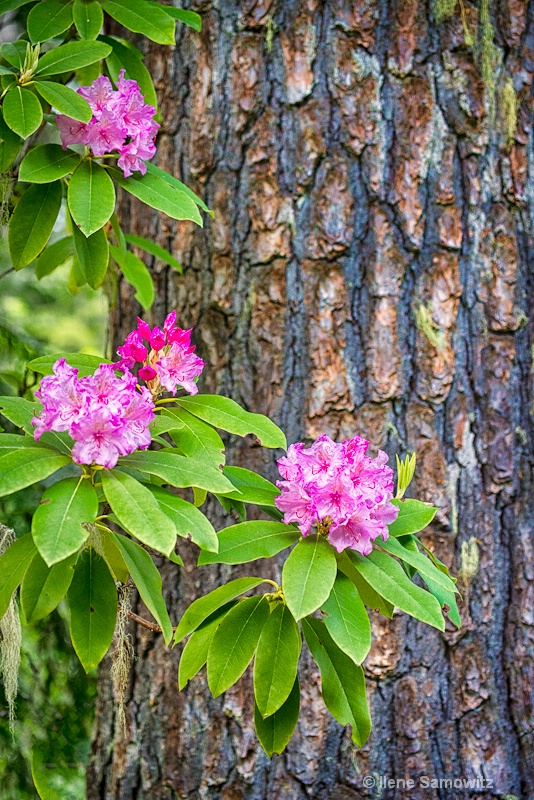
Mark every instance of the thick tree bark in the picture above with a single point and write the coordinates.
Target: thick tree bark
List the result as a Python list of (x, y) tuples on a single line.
[(368, 270)]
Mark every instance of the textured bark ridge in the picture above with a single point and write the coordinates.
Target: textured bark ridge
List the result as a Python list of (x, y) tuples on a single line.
[(368, 269)]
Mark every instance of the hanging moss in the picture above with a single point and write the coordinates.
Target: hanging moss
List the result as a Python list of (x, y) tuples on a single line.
[(488, 53), (509, 111), (121, 655), (11, 640)]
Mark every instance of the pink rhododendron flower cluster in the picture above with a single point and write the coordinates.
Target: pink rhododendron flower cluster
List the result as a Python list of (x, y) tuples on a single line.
[(340, 489), (107, 416), (121, 122), (171, 361)]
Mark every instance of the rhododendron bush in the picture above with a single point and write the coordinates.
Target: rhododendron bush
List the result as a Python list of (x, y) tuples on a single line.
[(115, 440)]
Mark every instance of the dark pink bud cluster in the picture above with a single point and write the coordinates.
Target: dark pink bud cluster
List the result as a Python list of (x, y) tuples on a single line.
[(340, 489), (121, 122), (107, 416), (169, 363)]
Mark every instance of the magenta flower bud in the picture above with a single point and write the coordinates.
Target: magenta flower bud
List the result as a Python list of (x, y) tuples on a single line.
[(144, 329), (157, 339), (147, 374), (133, 348), (170, 322)]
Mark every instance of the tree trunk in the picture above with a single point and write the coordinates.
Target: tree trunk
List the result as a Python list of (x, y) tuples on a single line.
[(368, 270)]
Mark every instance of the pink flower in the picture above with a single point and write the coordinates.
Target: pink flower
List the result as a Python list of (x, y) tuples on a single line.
[(339, 488), (133, 348), (179, 368), (97, 440)]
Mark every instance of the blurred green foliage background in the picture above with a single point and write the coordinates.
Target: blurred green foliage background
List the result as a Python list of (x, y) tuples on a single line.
[(55, 706)]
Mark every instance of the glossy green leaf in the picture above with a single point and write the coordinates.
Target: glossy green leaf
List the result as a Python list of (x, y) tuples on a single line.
[(137, 274), (85, 364), (47, 163), (32, 222), (221, 412), (146, 577), (88, 18), (44, 587), (142, 17), (71, 56), (21, 468), (276, 662), (195, 652), (413, 517), (422, 564), (125, 56), (274, 732), (178, 470), (20, 412), (65, 100), (113, 556), (251, 487), (54, 256), (388, 578), (15, 52), (202, 608), (10, 144), (93, 254), (22, 111), (343, 682), (446, 599), (137, 510), (234, 643), (11, 5), (371, 598), (188, 520), (189, 18), (346, 619), (249, 541), (92, 601), (308, 575), (13, 441), (154, 250), (13, 565), (48, 19), (57, 523), (172, 181), (196, 438), (158, 194), (91, 196)]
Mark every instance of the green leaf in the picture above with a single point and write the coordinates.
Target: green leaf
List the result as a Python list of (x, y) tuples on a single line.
[(138, 512), (20, 412), (114, 558), (92, 600), (343, 681), (221, 412), (65, 100), (33, 221), (93, 255), (136, 274), (172, 181), (22, 111), (44, 587), (13, 565), (71, 56), (234, 643), (142, 17), (346, 619), (276, 662), (422, 564), (10, 145), (371, 598), (15, 52), (187, 519), (47, 775), (202, 608), (47, 163), (413, 517), (13, 441), (146, 577), (48, 19), (251, 487), (195, 652), (11, 5), (85, 364), (308, 575), (88, 18), (388, 578), (158, 194), (447, 601), (177, 470), (249, 541), (91, 196), (195, 438), (187, 17), (54, 256), (23, 467), (275, 731), (125, 56), (57, 523), (154, 250)]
